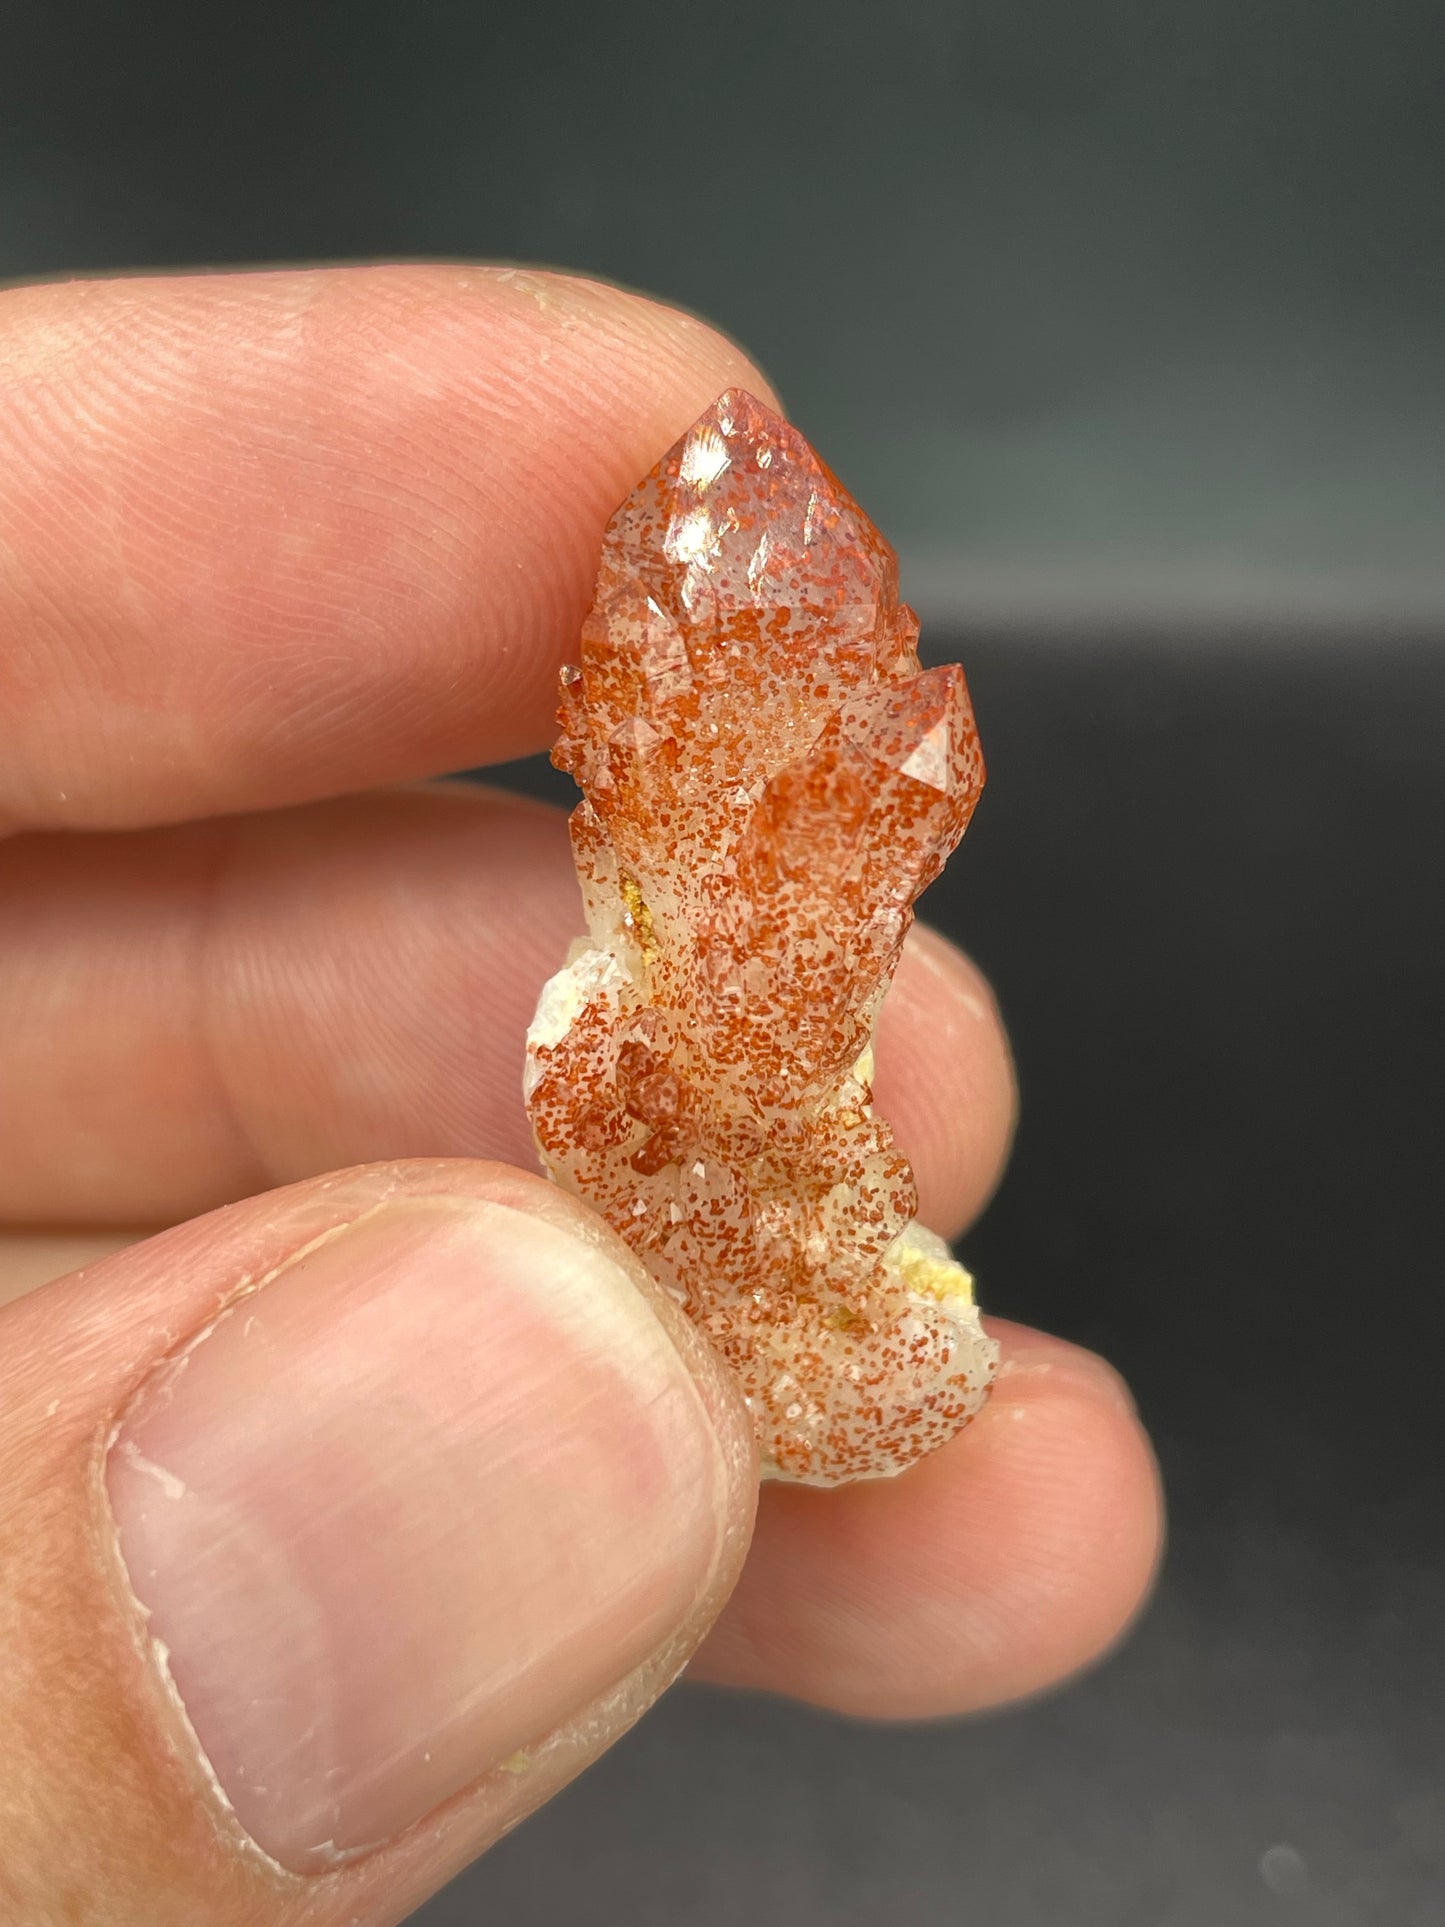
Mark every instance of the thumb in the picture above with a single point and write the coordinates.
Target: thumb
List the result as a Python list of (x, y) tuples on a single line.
[(338, 1530)]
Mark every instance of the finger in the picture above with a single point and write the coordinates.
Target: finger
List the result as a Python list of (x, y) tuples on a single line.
[(339, 1530), (271, 536), (1005, 1562), (192, 1014), (946, 1079), (31, 1259), (993, 1570)]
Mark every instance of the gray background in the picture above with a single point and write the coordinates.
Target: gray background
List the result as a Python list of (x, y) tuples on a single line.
[(1206, 877), (1128, 308), (1124, 320)]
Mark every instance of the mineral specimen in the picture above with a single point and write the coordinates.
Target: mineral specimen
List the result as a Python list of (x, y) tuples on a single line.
[(769, 781)]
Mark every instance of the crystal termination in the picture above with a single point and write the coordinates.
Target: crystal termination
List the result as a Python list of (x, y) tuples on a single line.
[(769, 780)]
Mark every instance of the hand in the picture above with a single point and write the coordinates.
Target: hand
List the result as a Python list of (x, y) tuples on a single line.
[(340, 1500)]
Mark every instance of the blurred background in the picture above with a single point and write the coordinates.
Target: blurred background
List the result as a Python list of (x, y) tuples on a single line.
[(1125, 321), (1118, 310)]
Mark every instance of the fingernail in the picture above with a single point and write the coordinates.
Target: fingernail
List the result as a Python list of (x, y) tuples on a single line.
[(1070, 1366), (398, 1514)]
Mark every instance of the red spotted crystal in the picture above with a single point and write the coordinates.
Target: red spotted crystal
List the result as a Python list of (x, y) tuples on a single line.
[(769, 780)]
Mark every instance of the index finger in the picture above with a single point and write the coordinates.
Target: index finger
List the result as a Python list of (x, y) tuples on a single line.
[(268, 537)]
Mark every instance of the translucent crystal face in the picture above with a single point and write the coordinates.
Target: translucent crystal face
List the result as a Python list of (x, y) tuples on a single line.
[(769, 780)]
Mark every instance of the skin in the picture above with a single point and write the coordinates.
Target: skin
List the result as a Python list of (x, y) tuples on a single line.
[(273, 549)]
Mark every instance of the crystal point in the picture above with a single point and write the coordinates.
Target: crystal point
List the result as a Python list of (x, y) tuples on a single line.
[(769, 780)]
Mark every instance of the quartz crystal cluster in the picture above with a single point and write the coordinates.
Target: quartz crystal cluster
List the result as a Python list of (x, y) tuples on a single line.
[(768, 780)]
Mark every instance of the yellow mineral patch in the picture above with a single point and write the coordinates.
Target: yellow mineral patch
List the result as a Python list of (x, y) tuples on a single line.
[(639, 917), (932, 1277), (843, 1318)]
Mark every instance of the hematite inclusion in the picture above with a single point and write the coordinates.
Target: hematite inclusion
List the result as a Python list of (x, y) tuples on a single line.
[(769, 780)]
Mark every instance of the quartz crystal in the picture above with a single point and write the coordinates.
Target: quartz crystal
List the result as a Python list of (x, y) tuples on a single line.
[(769, 780)]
